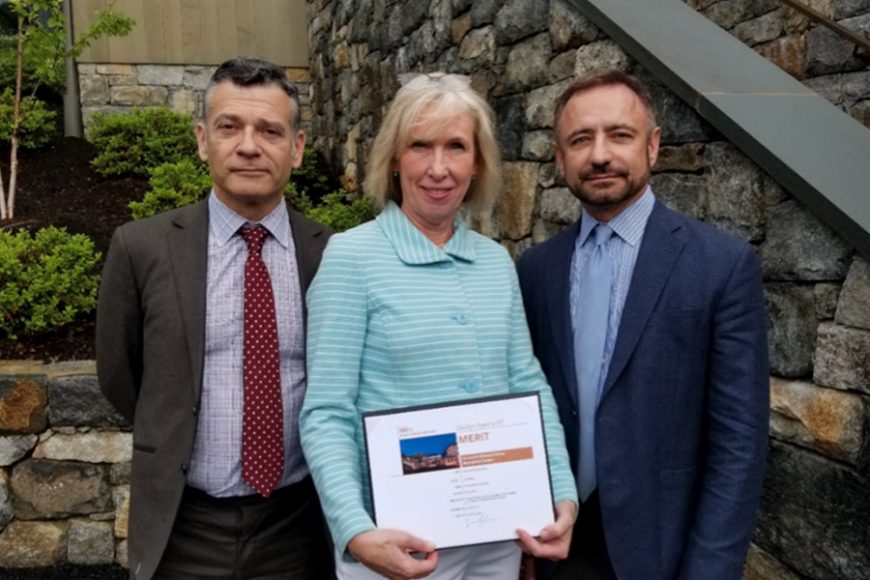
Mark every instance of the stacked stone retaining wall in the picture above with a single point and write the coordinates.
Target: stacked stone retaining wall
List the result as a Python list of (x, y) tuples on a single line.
[(116, 88), (64, 469), (814, 521)]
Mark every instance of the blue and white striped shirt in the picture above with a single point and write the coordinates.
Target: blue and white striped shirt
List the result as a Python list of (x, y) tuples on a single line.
[(396, 321), (622, 248)]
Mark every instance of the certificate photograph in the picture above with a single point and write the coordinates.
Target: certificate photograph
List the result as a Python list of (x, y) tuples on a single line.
[(461, 473)]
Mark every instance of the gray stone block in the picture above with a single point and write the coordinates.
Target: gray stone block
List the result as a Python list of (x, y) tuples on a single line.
[(800, 247), (413, 14), (815, 513), (483, 12), (847, 8), (826, 300), (683, 192), (761, 29), (791, 328), (559, 206), (527, 64), (14, 447), (169, 75), (842, 358), (538, 146), (77, 401), (6, 510), (568, 27), (58, 489), (510, 117), (90, 543), (599, 55), (478, 46), (518, 19), (828, 52), (853, 308), (735, 202), (541, 105)]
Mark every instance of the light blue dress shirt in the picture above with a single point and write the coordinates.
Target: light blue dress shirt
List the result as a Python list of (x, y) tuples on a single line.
[(622, 248), (215, 465)]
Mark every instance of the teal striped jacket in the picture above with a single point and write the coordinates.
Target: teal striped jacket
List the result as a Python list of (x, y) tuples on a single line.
[(395, 321)]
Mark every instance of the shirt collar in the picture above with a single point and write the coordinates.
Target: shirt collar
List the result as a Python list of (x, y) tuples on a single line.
[(413, 247), (225, 222), (628, 225)]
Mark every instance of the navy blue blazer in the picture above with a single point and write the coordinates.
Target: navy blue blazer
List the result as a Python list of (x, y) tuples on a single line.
[(681, 429)]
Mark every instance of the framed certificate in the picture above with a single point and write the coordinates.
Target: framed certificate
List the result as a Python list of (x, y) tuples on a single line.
[(462, 473)]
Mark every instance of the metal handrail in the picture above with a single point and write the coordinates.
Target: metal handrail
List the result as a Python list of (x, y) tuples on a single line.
[(825, 21)]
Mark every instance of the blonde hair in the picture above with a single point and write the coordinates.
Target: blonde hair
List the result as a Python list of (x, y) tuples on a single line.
[(444, 97)]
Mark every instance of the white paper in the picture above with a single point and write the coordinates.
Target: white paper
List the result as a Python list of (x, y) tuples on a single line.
[(461, 474)]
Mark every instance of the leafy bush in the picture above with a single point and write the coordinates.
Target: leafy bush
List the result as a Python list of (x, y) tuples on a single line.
[(313, 176), (173, 185), (37, 122), (46, 279), (185, 182), (336, 211), (139, 141)]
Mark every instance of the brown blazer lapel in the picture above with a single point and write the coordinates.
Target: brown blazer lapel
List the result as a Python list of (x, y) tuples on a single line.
[(188, 253)]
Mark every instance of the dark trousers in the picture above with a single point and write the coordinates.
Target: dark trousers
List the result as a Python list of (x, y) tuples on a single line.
[(587, 559), (282, 537)]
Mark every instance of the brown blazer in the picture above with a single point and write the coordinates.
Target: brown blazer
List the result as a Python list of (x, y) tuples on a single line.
[(150, 351)]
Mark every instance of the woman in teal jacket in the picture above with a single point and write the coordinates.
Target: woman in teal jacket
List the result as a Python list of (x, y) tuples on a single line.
[(415, 308)]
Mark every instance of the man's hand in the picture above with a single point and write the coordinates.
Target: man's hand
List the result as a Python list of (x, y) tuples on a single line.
[(554, 540), (388, 552)]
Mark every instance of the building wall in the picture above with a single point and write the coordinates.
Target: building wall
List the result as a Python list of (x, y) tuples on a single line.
[(203, 32), (815, 515), (116, 88)]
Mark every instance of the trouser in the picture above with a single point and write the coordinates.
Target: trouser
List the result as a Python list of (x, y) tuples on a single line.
[(588, 557), (251, 537), (498, 561)]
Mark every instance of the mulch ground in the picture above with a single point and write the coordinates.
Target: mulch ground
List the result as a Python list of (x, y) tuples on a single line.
[(56, 186)]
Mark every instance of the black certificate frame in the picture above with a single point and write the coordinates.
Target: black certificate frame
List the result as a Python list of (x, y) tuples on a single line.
[(459, 403)]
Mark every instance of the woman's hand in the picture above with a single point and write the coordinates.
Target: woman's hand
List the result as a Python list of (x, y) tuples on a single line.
[(388, 552), (554, 540)]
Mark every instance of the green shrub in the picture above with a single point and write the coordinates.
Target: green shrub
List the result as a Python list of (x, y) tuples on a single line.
[(37, 122), (173, 185), (187, 181), (139, 141), (46, 279), (313, 176), (336, 211)]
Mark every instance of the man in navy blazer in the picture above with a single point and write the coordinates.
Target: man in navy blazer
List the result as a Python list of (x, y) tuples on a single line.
[(680, 428)]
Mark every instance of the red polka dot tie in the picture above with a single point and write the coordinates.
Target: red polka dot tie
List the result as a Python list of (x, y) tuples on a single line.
[(263, 418)]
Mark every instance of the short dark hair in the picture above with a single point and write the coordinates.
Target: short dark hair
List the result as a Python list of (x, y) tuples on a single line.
[(249, 71), (605, 78)]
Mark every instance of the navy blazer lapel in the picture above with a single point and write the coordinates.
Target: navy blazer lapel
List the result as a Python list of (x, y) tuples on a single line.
[(188, 253), (659, 250), (559, 302)]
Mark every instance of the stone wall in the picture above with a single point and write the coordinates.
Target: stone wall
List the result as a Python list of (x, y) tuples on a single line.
[(827, 63), (815, 516), (64, 469), (116, 88)]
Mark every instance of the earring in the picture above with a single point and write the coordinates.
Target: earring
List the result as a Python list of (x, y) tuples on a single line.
[(395, 174)]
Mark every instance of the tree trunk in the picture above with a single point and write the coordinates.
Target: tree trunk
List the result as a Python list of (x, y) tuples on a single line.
[(2, 197), (16, 120)]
